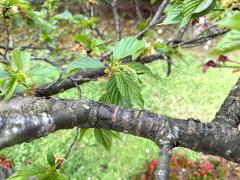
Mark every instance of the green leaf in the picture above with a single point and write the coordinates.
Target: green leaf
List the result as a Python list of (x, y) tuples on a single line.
[(232, 21), (103, 137), (50, 158), (184, 11), (44, 70), (174, 15), (113, 96), (230, 42), (129, 88), (7, 87), (66, 15), (87, 23), (84, 63), (142, 69), (195, 8), (204, 5), (20, 58), (127, 46), (31, 170), (38, 171), (83, 39), (4, 75)]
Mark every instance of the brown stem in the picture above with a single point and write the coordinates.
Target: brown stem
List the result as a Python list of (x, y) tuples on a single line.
[(116, 19)]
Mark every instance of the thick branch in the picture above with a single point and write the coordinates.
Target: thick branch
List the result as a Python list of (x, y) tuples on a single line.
[(229, 113), (25, 119)]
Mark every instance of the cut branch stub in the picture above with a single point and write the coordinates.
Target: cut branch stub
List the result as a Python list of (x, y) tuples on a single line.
[(162, 172), (166, 141)]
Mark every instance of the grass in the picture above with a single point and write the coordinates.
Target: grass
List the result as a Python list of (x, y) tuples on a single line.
[(186, 93)]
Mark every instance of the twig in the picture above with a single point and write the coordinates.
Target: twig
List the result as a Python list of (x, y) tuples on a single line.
[(76, 85), (4, 11), (138, 12), (116, 19), (99, 33), (70, 148), (91, 11), (155, 18), (84, 8), (198, 40), (182, 32)]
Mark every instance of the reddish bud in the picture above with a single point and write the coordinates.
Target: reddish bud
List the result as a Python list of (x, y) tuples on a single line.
[(210, 63), (222, 58)]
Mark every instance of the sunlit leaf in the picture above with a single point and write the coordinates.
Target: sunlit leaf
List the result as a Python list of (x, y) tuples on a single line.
[(84, 63), (128, 46), (230, 42), (20, 59), (50, 158), (129, 88), (232, 21), (104, 137)]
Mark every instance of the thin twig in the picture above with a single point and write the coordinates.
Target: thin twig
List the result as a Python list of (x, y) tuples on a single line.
[(116, 19), (198, 40), (155, 18), (70, 148), (84, 8), (4, 11), (138, 12)]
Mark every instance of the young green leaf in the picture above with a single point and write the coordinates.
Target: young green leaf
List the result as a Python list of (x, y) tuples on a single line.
[(129, 88), (4, 75), (230, 42), (66, 15), (20, 59), (103, 137), (127, 46), (174, 15), (37, 171), (184, 10), (50, 158), (7, 87), (195, 9), (84, 63), (113, 96), (141, 69), (232, 21), (84, 40), (32, 170)]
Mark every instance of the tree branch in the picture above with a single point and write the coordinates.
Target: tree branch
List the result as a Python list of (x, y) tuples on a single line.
[(138, 12), (116, 19), (25, 119), (162, 172), (83, 77), (156, 17), (229, 113)]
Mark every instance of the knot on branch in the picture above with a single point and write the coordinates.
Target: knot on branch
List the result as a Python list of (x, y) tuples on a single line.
[(168, 134)]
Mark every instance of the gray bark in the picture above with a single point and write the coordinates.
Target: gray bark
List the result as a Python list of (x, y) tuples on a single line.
[(24, 119)]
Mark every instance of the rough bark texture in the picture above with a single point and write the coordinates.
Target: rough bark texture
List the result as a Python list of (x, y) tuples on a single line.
[(25, 119), (229, 113)]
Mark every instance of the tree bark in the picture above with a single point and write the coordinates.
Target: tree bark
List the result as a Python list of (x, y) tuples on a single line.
[(24, 119)]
